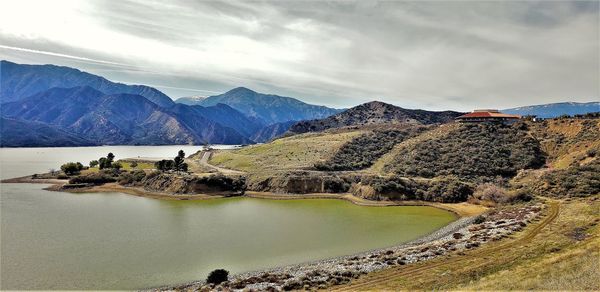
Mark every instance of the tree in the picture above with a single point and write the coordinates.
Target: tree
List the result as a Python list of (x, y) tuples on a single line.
[(94, 163), (102, 162), (217, 276), (106, 162), (183, 167), (71, 168), (178, 161), (164, 165), (133, 164)]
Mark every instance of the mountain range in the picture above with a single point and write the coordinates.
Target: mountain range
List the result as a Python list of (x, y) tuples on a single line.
[(86, 109), (553, 110), (18, 81), (48, 105), (268, 108)]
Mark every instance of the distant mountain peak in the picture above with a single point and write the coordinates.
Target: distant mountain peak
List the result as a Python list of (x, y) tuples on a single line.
[(239, 90), (268, 107)]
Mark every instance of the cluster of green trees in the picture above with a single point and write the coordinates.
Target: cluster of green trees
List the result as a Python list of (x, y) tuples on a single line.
[(361, 152), (71, 168), (106, 162), (473, 152), (175, 164)]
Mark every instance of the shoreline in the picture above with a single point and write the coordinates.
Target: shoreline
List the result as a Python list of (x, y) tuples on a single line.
[(461, 210), (325, 273), (431, 237), (363, 262)]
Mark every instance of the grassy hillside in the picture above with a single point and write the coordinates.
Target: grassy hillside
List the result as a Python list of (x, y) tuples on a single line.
[(295, 152), (567, 141), (557, 253), (362, 151)]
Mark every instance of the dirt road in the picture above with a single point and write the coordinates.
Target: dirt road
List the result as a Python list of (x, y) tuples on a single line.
[(204, 162), (372, 282)]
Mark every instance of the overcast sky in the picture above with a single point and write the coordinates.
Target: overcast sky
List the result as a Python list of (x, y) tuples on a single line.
[(431, 55)]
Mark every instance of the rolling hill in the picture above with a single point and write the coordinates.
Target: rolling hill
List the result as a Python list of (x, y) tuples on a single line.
[(374, 113)]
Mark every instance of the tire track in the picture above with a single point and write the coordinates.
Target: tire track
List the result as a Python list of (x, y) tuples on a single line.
[(397, 272)]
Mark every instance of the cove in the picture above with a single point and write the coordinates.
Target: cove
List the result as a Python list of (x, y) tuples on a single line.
[(53, 240), (108, 241)]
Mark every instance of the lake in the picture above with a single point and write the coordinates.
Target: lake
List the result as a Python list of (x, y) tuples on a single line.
[(55, 240)]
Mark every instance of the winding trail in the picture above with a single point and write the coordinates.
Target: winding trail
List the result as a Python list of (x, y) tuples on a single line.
[(370, 282), (204, 162)]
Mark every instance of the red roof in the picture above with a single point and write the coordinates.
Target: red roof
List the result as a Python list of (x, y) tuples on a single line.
[(488, 115)]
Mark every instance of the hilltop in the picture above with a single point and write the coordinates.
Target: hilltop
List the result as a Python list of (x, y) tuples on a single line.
[(374, 113)]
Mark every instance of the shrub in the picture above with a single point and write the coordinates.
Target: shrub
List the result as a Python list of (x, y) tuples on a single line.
[(479, 219), (71, 168), (131, 178), (447, 190), (117, 165), (96, 178), (521, 195), (236, 184), (490, 192), (217, 276), (575, 181)]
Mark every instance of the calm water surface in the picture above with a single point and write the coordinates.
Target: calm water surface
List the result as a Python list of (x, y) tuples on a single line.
[(53, 240)]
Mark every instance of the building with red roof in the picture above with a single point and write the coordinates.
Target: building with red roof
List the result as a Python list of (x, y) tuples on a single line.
[(487, 115)]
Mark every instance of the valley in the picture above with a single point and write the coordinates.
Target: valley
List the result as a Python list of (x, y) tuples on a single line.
[(299, 197)]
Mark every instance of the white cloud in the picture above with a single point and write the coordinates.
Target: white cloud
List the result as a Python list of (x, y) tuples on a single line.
[(433, 55)]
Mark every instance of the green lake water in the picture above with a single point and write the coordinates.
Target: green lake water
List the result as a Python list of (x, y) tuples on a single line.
[(54, 240)]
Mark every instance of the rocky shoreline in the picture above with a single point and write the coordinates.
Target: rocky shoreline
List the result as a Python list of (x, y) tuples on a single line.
[(465, 233)]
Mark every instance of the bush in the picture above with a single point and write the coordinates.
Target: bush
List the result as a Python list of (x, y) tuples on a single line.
[(519, 196), (217, 276), (117, 165), (479, 219), (96, 178), (236, 184), (71, 168), (131, 178), (575, 181), (446, 190), (490, 192)]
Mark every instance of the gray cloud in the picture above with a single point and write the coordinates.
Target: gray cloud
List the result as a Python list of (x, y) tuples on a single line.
[(435, 55)]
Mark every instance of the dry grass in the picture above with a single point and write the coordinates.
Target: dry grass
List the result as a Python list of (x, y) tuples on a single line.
[(295, 152), (551, 257)]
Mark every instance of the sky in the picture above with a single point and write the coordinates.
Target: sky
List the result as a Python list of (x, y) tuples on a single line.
[(429, 54)]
